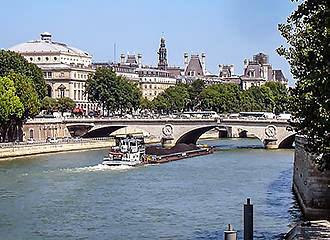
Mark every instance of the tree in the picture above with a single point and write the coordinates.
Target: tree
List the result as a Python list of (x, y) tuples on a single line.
[(112, 92), (12, 61), (172, 99), (194, 90), (307, 32), (65, 104), (145, 104), (49, 104), (27, 94), (280, 96), (100, 87), (29, 98), (222, 98), (10, 106)]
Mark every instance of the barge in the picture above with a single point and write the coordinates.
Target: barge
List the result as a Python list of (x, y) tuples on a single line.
[(130, 151)]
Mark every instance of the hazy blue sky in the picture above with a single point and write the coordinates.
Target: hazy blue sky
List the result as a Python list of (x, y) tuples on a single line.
[(228, 31)]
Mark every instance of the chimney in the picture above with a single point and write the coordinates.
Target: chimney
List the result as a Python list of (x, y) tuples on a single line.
[(46, 36), (139, 61), (203, 63), (185, 60), (220, 69), (232, 70), (122, 58)]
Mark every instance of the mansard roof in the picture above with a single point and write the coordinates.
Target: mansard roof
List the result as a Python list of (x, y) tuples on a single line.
[(195, 65)]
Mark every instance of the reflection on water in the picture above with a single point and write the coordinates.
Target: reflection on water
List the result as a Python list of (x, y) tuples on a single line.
[(73, 196)]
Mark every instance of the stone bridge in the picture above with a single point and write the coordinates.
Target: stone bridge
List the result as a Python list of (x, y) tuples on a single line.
[(272, 133)]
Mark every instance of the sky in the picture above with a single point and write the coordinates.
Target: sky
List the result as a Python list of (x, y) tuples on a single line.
[(228, 31)]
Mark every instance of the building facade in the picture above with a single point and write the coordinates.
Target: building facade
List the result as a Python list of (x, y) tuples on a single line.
[(65, 68), (258, 71), (152, 80)]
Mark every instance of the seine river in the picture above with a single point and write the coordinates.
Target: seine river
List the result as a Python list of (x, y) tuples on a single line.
[(70, 196)]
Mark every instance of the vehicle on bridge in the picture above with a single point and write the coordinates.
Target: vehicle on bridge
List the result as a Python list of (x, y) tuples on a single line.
[(265, 115), (200, 114)]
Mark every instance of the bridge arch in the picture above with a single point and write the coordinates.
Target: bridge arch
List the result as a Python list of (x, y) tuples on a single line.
[(192, 136), (288, 141), (106, 131)]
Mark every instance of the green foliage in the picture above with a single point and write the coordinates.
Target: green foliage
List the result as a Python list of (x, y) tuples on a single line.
[(113, 92), (146, 104), (27, 94), (172, 99), (307, 32), (49, 104), (280, 96), (195, 89), (223, 98), (10, 104), (11, 61), (11, 107), (65, 104)]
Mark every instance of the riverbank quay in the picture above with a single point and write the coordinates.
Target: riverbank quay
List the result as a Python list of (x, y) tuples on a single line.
[(311, 186), (310, 230), (19, 150)]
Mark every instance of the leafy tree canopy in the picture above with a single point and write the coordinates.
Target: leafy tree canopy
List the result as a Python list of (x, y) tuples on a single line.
[(113, 92), (12, 61), (65, 104), (26, 93), (307, 32)]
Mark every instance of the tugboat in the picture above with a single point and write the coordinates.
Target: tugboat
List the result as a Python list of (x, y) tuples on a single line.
[(129, 151)]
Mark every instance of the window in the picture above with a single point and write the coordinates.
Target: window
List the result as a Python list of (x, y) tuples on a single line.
[(31, 133), (78, 94), (75, 94), (45, 74), (49, 74), (62, 92), (39, 58), (31, 59), (55, 58), (47, 58)]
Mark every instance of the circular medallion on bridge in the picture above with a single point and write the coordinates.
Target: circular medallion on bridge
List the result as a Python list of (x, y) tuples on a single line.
[(271, 131), (167, 130)]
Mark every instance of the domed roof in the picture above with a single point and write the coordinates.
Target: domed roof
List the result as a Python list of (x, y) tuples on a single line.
[(45, 44)]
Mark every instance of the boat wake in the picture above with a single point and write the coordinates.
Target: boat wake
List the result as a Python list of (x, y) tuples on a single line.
[(97, 168)]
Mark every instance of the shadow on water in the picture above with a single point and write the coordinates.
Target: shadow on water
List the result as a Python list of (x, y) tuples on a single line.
[(279, 195)]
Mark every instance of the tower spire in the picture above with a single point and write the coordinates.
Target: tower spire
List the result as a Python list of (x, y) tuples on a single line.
[(162, 55)]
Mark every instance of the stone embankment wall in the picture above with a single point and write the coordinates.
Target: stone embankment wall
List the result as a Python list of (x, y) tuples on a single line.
[(311, 186), (34, 149)]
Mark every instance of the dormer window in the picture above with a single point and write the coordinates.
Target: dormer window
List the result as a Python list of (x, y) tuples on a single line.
[(251, 74)]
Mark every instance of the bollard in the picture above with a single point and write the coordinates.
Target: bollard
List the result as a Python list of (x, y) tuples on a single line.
[(248, 220), (230, 233)]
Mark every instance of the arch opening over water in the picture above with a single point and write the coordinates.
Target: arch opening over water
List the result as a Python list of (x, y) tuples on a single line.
[(192, 136), (287, 142)]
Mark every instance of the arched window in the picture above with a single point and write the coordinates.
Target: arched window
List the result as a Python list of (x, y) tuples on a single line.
[(49, 91), (31, 133)]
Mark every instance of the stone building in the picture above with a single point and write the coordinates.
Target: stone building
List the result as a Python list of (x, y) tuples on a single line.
[(258, 71), (152, 80), (65, 68)]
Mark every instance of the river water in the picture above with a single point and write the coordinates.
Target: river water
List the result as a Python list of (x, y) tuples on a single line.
[(70, 196)]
